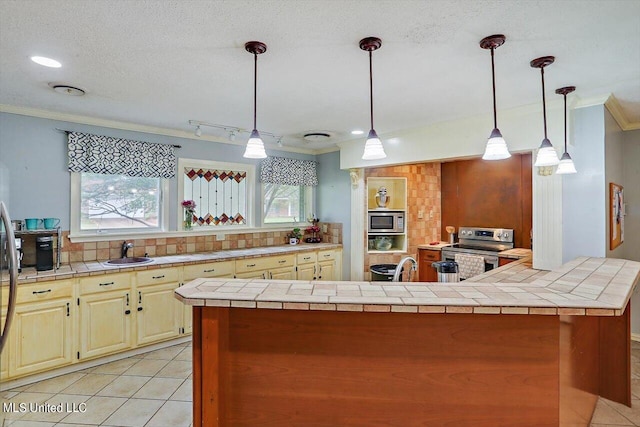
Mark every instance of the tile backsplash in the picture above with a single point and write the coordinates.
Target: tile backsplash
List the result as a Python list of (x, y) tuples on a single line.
[(104, 250)]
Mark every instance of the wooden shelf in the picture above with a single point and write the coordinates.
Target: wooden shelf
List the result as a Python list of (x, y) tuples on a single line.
[(396, 190)]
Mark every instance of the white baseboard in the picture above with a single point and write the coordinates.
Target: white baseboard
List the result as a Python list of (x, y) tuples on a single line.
[(89, 364)]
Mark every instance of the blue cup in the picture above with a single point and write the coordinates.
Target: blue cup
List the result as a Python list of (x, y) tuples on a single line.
[(50, 223), (32, 223)]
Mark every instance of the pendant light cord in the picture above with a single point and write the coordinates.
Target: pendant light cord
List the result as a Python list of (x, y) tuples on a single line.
[(255, 89), (565, 122), (544, 104), (493, 76), (371, 84)]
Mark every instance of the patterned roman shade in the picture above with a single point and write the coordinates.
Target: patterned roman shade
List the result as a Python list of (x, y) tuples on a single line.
[(284, 171), (116, 156)]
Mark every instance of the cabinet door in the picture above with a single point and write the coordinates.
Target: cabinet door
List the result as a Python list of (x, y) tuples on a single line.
[(326, 270), (306, 272), (159, 314), (285, 273), (210, 269), (504, 261), (41, 337), (105, 323), (426, 257), (4, 357)]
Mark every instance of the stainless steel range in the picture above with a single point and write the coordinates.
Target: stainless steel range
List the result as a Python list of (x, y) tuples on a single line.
[(486, 242)]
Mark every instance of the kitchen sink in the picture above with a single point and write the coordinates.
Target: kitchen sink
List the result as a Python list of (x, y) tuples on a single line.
[(129, 260)]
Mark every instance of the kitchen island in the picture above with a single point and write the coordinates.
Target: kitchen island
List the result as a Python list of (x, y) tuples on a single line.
[(515, 346)]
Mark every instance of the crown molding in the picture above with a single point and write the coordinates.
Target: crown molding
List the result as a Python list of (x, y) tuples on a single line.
[(114, 124), (616, 111)]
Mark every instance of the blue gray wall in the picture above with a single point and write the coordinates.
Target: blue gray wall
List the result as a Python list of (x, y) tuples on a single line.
[(33, 164), (583, 194), (334, 201)]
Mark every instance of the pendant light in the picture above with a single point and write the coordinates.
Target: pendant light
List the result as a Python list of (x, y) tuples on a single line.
[(255, 146), (566, 165), (373, 148), (496, 148), (547, 155)]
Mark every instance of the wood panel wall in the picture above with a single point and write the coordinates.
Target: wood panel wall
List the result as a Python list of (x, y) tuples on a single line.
[(478, 193)]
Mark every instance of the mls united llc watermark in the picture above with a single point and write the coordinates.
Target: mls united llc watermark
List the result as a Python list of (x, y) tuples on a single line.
[(25, 407)]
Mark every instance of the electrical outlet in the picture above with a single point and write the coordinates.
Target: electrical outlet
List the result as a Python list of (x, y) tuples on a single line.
[(420, 214), (325, 228), (431, 214), (220, 237)]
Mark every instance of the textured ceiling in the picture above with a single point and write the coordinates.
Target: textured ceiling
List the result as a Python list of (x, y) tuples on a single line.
[(162, 63)]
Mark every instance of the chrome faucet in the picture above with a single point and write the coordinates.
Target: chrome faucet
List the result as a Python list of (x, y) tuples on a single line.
[(414, 267), (125, 248)]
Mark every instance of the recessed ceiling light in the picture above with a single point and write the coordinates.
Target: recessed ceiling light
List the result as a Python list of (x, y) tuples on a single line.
[(47, 62), (357, 132)]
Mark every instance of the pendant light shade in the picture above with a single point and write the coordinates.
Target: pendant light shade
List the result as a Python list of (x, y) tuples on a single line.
[(566, 165), (547, 155), (496, 148), (255, 146), (373, 148)]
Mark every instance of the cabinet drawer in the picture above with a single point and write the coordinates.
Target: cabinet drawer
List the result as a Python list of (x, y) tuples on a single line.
[(264, 263), (427, 255), (44, 291), (326, 255), (307, 258), (156, 276), (105, 283), (209, 269)]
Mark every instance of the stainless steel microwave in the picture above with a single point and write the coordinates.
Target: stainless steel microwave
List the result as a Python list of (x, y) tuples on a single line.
[(385, 222)]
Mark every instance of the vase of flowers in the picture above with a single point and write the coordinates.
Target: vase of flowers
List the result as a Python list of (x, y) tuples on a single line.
[(314, 230), (189, 207)]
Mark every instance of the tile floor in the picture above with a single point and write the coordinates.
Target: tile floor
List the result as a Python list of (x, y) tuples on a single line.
[(154, 390)]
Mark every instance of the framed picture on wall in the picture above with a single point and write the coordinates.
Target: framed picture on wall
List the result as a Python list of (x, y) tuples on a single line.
[(616, 210)]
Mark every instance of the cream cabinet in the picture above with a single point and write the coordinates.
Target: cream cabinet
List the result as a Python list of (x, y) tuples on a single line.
[(106, 309), (4, 356), (158, 313), (209, 269), (279, 267), (41, 335), (306, 266), (330, 265)]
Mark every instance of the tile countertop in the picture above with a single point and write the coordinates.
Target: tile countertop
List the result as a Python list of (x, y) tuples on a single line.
[(435, 247), (584, 286), (516, 253), (90, 268)]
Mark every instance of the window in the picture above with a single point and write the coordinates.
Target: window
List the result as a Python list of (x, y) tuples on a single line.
[(102, 203), (223, 192), (118, 184), (286, 203)]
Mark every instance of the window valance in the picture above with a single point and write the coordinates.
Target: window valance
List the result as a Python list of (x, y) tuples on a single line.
[(116, 156), (284, 171)]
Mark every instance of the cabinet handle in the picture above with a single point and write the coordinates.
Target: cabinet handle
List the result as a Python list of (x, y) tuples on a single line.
[(139, 297), (251, 265), (127, 300), (157, 277), (209, 271), (41, 292), (127, 312), (270, 275), (264, 275), (307, 258), (139, 308), (282, 261), (105, 284), (326, 255), (67, 309)]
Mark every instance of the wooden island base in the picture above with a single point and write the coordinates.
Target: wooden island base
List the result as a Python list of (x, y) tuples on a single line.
[(261, 367)]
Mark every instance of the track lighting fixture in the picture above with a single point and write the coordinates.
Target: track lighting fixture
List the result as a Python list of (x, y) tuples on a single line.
[(373, 148), (566, 165), (496, 148), (547, 155)]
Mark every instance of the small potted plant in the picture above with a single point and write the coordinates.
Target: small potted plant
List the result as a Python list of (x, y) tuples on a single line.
[(294, 236)]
